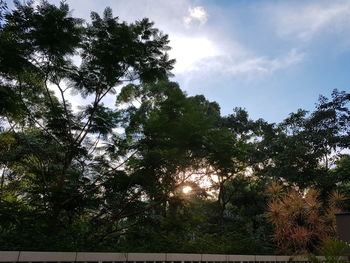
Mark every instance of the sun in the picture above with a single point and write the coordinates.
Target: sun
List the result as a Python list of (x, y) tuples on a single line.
[(187, 189)]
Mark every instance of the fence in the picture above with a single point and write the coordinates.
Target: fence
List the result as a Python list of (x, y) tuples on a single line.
[(88, 257)]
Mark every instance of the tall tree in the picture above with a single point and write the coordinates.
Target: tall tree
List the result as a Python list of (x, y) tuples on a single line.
[(49, 143)]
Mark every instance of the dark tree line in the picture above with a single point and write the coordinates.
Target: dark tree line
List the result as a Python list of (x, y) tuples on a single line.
[(101, 178)]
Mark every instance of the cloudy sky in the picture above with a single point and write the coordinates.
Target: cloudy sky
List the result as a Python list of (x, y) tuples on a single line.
[(270, 57)]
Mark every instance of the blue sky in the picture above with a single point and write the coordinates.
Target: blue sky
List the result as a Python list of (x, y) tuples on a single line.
[(269, 57)]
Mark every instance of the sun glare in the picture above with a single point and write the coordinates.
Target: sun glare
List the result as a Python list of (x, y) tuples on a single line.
[(187, 189), (190, 51)]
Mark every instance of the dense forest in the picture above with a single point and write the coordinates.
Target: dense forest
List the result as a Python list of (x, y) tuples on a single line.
[(159, 171)]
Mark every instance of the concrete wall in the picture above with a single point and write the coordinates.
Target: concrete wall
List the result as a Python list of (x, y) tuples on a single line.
[(29, 256)]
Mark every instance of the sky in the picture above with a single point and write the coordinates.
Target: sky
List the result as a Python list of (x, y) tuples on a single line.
[(269, 57)]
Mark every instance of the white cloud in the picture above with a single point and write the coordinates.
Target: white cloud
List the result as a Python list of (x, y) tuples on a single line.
[(201, 50), (266, 65), (234, 65), (196, 14), (306, 21)]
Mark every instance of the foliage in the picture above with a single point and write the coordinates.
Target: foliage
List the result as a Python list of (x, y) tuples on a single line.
[(305, 146), (332, 250), (301, 221), (78, 172), (49, 172)]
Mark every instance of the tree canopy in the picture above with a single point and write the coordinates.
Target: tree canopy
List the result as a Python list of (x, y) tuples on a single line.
[(78, 172)]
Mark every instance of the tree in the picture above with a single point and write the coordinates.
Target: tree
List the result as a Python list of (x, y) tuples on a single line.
[(85, 175), (303, 148), (49, 167), (301, 220), (167, 133)]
